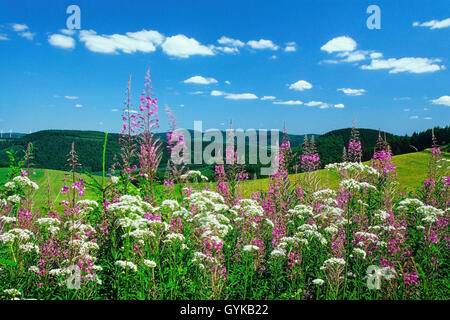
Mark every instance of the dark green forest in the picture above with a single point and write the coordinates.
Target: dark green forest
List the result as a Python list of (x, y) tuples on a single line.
[(51, 147)]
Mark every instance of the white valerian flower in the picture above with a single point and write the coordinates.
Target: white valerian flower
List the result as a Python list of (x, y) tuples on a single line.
[(360, 252), (278, 252), (193, 174), (301, 211), (28, 247), (324, 194), (430, 213), (10, 185), (33, 269), (25, 182), (6, 219), (114, 179), (150, 263), (48, 221), (14, 198), (332, 261), (170, 204), (12, 292), (250, 247), (172, 237), (318, 282), (126, 265)]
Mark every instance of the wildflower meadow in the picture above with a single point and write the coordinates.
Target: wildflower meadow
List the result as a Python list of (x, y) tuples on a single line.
[(123, 235)]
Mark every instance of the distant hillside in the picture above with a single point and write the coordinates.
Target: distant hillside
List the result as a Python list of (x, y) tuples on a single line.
[(53, 146)]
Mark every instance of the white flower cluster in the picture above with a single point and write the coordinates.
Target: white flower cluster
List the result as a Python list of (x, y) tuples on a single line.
[(301, 211), (430, 214), (249, 207), (14, 198), (25, 182), (352, 167), (409, 203), (130, 206), (22, 235), (127, 265), (353, 185), (170, 205), (150, 264), (332, 261), (324, 194), (250, 248), (192, 174), (6, 219)]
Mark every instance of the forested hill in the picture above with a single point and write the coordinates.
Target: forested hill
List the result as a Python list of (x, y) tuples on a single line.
[(53, 146)]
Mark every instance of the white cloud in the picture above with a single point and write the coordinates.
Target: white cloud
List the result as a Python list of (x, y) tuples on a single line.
[(407, 110), (407, 64), (289, 102), (142, 41), (376, 55), (234, 96), (114, 110), (401, 98), (230, 42), (68, 32), (196, 92), (268, 98), (3, 36), (240, 96), (314, 103), (339, 44), (414, 117), (352, 56), (226, 49), (427, 118), (262, 44), (78, 105), (227, 82), (339, 106), (300, 85), (434, 24), (444, 100), (19, 27), (183, 47), (200, 80), (27, 35), (61, 41), (71, 97), (352, 92), (290, 47), (217, 93)]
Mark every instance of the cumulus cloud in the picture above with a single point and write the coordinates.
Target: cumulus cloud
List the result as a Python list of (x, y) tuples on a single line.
[(427, 118), (289, 102), (434, 24), (241, 96), (234, 96), (71, 97), (290, 47), (131, 42), (61, 41), (229, 42), (262, 44), (227, 82), (200, 80), (217, 93), (19, 27), (339, 44), (407, 64), (352, 92), (268, 98), (444, 100), (27, 35), (314, 103), (78, 105), (414, 117), (339, 106), (301, 85), (183, 47)]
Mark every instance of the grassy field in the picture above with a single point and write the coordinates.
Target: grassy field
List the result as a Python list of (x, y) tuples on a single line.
[(412, 169)]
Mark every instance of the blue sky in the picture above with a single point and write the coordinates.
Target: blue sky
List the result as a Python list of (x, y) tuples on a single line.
[(313, 64)]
